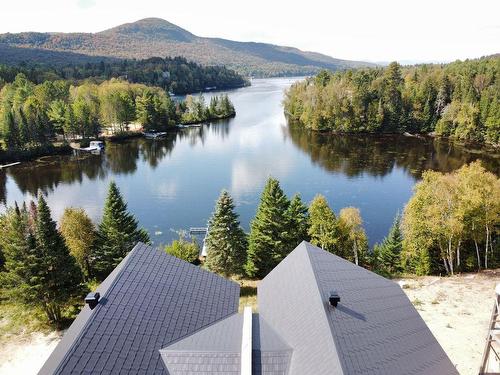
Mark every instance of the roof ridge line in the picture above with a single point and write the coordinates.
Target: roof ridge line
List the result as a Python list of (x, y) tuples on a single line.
[(342, 364), (199, 330)]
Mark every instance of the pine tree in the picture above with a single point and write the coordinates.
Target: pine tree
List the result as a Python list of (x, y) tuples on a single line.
[(59, 274), (392, 96), (118, 233), (10, 133), (39, 270), (21, 260), (323, 230), (226, 241), (268, 231), (389, 251), (298, 221)]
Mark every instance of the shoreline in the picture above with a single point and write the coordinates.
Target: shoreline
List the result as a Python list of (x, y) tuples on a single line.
[(421, 136), (232, 115), (30, 155), (7, 157)]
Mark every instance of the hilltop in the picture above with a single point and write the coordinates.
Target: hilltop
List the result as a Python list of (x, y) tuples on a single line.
[(154, 37)]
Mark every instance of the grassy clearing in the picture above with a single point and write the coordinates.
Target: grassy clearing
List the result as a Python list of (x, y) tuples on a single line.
[(248, 293), (17, 320)]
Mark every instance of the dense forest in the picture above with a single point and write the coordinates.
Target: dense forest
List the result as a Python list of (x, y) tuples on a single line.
[(176, 75), (32, 116), (460, 100)]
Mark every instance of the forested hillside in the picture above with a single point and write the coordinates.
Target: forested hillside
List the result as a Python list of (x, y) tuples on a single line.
[(460, 100), (153, 37), (32, 115), (172, 74)]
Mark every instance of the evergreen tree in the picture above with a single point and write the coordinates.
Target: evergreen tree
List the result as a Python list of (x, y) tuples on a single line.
[(389, 251), (443, 95), (227, 106), (58, 275), (226, 241), (39, 270), (10, 133), (118, 233), (21, 258), (323, 228), (268, 243), (213, 108), (392, 96), (298, 221)]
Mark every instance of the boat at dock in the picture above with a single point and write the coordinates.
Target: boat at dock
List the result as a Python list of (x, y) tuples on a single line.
[(94, 146), (154, 135), (9, 165), (187, 126)]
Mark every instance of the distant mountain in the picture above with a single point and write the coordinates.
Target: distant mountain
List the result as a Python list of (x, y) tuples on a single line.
[(154, 37)]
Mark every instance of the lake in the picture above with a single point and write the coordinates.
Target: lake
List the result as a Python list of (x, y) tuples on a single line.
[(173, 183)]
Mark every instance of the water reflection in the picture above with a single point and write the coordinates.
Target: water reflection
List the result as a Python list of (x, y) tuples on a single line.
[(47, 173), (353, 155), (173, 183), (119, 158)]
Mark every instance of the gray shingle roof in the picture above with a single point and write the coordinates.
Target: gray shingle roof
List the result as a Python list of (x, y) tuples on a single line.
[(213, 350), (217, 348), (374, 330), (290, 302), (151, 300), (161, 315), (270, 354)]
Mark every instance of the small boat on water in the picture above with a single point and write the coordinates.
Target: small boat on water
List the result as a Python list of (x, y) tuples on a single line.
[(154, 135), (181, 126), (94, 146)]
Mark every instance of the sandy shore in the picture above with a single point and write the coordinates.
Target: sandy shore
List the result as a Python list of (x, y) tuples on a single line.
[(456, 309)]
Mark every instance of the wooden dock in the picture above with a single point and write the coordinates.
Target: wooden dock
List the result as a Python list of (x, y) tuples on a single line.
[(9, 165)]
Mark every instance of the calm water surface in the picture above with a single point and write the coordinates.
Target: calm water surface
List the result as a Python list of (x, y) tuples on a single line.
[(173, 183)]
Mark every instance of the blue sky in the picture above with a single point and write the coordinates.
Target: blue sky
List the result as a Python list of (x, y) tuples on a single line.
[(374, 30)]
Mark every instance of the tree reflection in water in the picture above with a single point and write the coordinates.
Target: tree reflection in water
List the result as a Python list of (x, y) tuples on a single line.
[(377, 155)]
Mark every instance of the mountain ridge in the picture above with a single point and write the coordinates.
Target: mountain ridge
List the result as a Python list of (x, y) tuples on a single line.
[(155, 37)]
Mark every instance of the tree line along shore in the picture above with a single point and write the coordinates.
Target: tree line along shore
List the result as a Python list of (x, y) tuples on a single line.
[(449, 225), (460, 100), (40, 119)]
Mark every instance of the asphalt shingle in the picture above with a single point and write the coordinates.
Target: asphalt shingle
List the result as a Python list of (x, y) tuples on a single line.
[(154, 300), (374, 329)]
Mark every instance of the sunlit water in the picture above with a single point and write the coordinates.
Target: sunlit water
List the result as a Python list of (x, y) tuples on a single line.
[(172, 184)]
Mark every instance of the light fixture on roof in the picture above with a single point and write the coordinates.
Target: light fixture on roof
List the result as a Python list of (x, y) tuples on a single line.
[(334, 298), (92, 299)]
